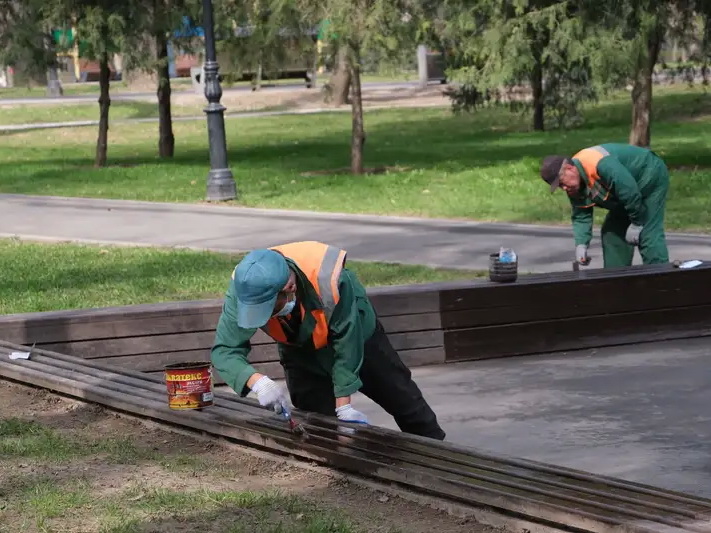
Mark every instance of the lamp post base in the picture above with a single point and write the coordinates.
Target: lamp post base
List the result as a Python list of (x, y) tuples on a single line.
[(220, 185)]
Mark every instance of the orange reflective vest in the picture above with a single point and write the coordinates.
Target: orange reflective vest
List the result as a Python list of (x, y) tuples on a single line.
[(589, 158), (322, 265)]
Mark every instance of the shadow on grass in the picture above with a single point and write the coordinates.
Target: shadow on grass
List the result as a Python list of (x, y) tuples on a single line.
[(420, 139)]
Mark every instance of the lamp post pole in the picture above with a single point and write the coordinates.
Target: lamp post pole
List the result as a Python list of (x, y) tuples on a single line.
[(220, 182)]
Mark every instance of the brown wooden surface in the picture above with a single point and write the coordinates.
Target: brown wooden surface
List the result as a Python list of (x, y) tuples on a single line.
[(463, 319), (575, 298), (576, 311), (546, 495), (577, 333)]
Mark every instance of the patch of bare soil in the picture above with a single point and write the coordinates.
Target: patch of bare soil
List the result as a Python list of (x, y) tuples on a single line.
[(155, 463)]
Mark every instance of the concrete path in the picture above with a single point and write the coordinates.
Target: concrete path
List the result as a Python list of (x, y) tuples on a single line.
[(245, 114), (151, 96), (639, 413), (433, 242)]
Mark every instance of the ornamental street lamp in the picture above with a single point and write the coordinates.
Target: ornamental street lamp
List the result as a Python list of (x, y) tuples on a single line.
[(220, 183)]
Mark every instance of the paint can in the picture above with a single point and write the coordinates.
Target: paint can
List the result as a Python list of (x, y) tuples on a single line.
[(189, 385), (502, 271)]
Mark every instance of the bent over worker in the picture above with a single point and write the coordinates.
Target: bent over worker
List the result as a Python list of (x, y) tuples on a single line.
[(632, 183), (330, 341)]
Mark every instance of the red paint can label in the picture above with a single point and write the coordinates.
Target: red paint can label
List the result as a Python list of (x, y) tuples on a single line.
[(189, 385)]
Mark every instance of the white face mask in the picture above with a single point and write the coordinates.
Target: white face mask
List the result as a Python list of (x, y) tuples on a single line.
[(288, 307)]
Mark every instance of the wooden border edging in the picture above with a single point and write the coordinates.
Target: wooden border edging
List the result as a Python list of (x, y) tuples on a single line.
[(428, 323), (522, 491)]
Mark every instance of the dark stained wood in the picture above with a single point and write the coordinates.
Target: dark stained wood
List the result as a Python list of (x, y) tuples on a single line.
[(153, 363), (25, 328), (137, 348), (575, 333), (534, 493), (665, 289), (422, 356), (413, 322), (478, 318)]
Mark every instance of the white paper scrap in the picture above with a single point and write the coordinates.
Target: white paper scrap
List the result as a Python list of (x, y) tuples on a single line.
[(20, 355), (690, 264)]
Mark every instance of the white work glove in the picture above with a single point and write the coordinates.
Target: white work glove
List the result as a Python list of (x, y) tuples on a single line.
[(271, 395), (346, 413), (633, 232), (581, 254)]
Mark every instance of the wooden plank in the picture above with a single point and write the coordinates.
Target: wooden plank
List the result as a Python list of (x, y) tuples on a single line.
[(542, 493), (422, 356), (135, 322), (573, 300), (575, 333), (652, 291), (154, 362), (413, 322), (428, 348), (417, 339), (137, 347), (111, 347), (27, 331), (404, 302)]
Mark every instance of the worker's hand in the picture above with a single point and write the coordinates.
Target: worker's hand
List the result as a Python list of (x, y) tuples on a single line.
[(346, 413), (581, 254), (271, 395), (633, 232)]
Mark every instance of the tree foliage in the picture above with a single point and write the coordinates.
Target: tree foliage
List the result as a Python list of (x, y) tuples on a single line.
[(263, 35), (498, 49), (352, 28), (26, 41)]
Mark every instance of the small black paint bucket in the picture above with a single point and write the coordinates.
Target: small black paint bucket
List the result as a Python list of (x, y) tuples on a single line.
[(502, 272)]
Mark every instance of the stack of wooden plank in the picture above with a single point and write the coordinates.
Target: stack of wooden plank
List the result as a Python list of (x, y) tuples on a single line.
[(532, 495)]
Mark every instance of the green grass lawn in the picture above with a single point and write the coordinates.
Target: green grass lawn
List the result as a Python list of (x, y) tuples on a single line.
[(480, 166), (47, 277)]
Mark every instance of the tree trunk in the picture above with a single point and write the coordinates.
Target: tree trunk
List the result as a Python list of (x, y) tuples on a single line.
[(341, 79), (640, 133), (537, 89), (358, 135), (166, 140), (104, 104)]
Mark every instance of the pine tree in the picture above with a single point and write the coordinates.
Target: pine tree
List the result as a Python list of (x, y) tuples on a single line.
[(500, 46)]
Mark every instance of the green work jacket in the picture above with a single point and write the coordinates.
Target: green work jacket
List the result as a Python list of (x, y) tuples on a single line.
[(630, 173), (351, 324)]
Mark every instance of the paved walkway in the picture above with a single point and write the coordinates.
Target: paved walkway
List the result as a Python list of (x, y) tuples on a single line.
[(243, 114), (127, 96), (433, 242), (636, 412)]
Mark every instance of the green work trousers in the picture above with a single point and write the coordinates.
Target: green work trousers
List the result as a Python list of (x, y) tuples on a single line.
[(652, 242)]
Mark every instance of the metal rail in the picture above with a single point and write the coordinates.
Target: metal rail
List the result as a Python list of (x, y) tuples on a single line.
[(556, 497)]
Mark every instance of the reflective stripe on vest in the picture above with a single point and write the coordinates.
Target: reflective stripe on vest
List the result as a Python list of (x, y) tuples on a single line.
[(589, 158), (322, 265)]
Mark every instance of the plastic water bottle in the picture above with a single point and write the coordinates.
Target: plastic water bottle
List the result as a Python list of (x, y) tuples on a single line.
[(507, 255)]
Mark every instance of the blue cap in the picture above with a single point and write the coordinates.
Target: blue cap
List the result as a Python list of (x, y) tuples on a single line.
[(258, 279)]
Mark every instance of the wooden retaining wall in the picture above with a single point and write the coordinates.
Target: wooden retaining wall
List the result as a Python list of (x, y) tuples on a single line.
[(429, 324)]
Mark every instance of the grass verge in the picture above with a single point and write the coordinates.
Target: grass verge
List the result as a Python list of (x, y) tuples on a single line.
[(46, 277), (481, 166)]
